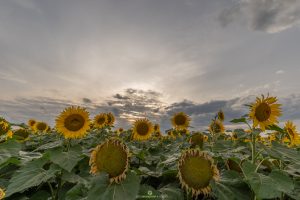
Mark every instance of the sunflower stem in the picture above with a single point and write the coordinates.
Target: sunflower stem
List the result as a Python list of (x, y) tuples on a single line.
[(253, 138), (51, 189)]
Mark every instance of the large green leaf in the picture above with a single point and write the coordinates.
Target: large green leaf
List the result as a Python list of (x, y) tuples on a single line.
[(32, 174), (263, 186), (170, 192), (127, 189), (66, 160), (9, 149), (282, 181), (231, 187)]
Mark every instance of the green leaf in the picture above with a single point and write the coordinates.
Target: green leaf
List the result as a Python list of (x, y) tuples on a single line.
[(231, 187), (274, 127), (32, 174), (170, 192), (148, 192), (263, 186), (239, 120), (282, 180), (66, 160), (9, 149), (78, 192), (50, 145), (127, 189), (41, 194)]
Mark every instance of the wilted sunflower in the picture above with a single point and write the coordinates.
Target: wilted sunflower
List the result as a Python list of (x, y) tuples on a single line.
[(264, 112), (110, 119), (2, 194), (40, 127), (31, 123), (293, 135), (180, 121), (221, 116), (195, 171), (197, 139), (73, 122), (216, 126), (111, 157), (100, 120), (142, 129)]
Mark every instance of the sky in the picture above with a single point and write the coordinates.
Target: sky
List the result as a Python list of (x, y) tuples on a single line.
[(148, 58)]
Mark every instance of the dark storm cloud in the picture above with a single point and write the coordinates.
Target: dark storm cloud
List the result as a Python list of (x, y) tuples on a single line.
[(263, 15)]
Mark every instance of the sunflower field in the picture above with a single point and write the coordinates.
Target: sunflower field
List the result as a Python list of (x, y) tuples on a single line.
[(90, 159)]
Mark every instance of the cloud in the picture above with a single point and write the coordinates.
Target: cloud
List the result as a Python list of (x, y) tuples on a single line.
[(270, 16), (135, 104), (280, 72)]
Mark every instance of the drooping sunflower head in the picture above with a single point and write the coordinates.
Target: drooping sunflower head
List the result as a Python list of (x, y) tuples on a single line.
[(292, 134), (40, 127), (2, 194), (195, 171), (234, 136), (216, 126), (110, 119), (21, 134), (264, 112), (180, 121), (221, 116), (73, 122), (112, 157), (100, 120), (197, 139), (142, 129)]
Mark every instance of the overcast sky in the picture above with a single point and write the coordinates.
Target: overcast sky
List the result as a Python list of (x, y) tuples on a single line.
[(145, 57)]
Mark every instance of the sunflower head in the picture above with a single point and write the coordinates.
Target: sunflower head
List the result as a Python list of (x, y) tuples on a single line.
[(31, 123), (142, 129), (40, 127), (112, 157), (4, 126), (293, 136), (195, 171), (110, 119), (233, 165), (100, 120), (21, 134), (197, 139), (180, 121), (234, 136), (221, 116), (156, 127), (264, 112), (216, 126), (73, 122), (2, 194)]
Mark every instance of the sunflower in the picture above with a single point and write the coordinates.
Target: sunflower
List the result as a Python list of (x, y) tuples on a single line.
[(142, 129), (73, 122), (21, 134), (197, 139), (2, 194), (180, 121), (216, 126), (4, 126), (112, 157), (100, 120), (264, 112), (31, 123), (156, 127), (40, 127), (234, 136), (221, 116), (195, 171), (292, 134), (110, 119)]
